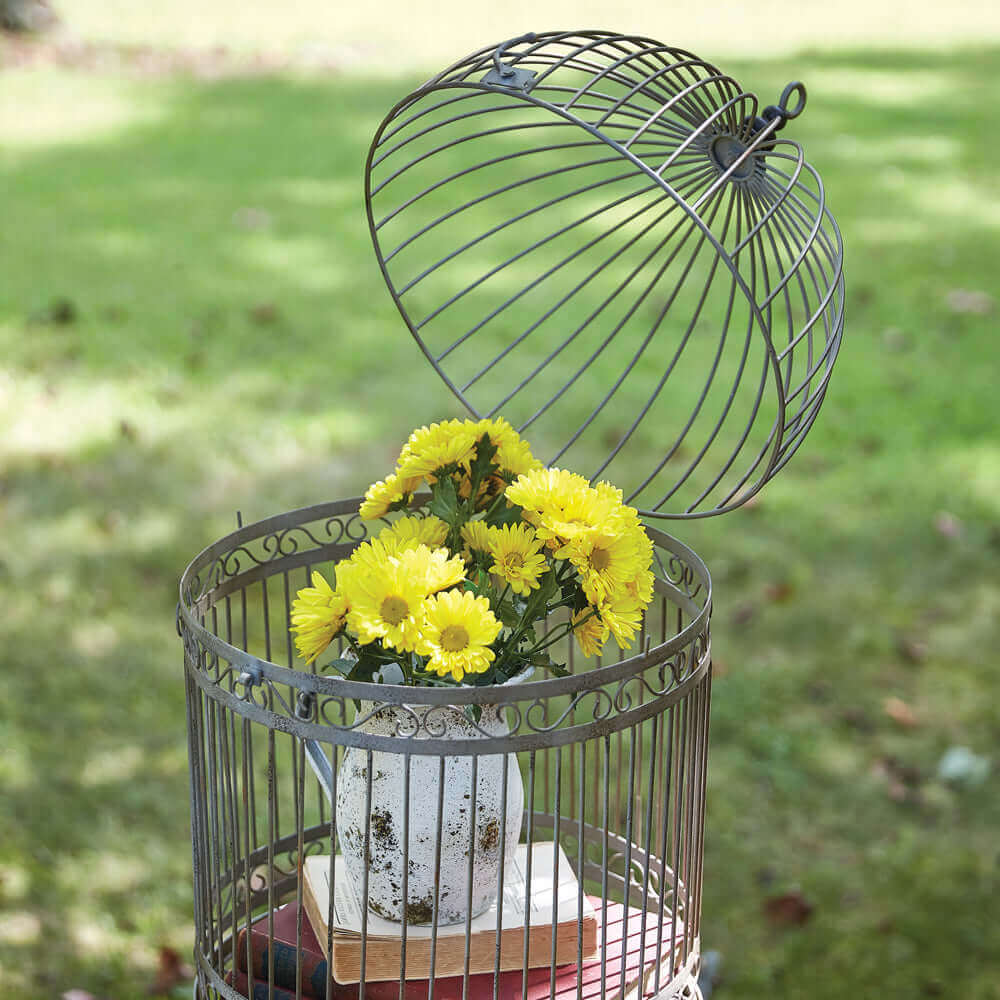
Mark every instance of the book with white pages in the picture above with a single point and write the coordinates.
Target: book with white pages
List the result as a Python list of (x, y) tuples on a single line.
[(554, 898)]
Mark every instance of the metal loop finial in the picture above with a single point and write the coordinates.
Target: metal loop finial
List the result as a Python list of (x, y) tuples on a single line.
[(781, 111)]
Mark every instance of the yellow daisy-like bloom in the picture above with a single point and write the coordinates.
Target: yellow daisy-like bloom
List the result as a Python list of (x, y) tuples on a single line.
[(585, 511), (607, 560), (456, 634), (369, 557), (432, 569), (409, 532), (430, 448), (517, 557), (385, 599), (562, 505), (612, 493), (513, 453), (380, 496), (543, 493), (476, 535), (589, 631), (623, 616), (641, 587), (318, 614)]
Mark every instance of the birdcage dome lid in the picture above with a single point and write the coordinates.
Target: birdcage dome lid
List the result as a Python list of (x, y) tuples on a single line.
[(605, 240)]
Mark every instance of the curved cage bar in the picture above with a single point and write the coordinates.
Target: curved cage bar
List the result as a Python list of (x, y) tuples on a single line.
[(610, 760), (600, 238)]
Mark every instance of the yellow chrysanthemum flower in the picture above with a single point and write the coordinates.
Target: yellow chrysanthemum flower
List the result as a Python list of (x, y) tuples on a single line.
[(456, 634), (589, 631), (432, 569), (385, 599), (318, 615), (517, 557), (612, 493), (607, 561), (476, 535), (623, 616), (513, 453), (430, 448), (409, 532), (544, 492), (380, 496), (562, 505), (368, 557)]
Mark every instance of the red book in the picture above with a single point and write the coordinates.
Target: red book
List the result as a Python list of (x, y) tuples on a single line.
[(640, 961), (285, 953)]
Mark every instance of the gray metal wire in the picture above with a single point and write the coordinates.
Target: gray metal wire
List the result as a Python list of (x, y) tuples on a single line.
[(612, 757), (598, 236)]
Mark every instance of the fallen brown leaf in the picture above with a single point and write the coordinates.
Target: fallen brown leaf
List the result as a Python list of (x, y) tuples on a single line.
[(779, 592), (900, 713), (170, 972), (264, 313), (911, 650), (791, 909)]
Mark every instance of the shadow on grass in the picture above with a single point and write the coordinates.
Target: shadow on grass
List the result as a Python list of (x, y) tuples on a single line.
[(229, 344)]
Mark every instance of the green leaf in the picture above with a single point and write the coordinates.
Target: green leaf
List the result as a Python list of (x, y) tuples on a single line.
[(444, 501), (367, 665), (504, 515), (544, 661), (483, 464), (341, 666), (473, 712), (508, 615), (548, 588)]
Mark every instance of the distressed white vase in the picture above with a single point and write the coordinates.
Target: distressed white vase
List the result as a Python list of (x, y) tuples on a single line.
[(489, 841)]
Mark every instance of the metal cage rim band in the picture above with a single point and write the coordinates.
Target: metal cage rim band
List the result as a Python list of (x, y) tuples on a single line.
[(527, 740), (398, 694)]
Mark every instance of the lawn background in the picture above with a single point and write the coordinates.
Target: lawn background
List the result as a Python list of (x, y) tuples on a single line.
[(192, 321)]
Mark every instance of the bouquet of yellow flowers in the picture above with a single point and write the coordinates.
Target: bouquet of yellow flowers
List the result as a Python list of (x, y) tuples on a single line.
[(453, 590)]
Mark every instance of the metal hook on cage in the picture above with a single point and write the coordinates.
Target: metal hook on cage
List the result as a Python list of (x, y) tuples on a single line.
[(504, 74), (780, 112), (250, 675)]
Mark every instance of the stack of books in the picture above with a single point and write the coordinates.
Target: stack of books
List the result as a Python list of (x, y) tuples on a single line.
[(633, 944)]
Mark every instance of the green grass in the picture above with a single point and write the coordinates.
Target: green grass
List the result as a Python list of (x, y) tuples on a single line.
[(231, 346)]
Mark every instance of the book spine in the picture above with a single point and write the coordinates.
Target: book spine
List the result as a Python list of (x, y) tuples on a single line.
[(259, 991), (313, 967)]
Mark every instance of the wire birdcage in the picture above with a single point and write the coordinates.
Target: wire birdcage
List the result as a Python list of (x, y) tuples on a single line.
[(604, 240), (612, 760), (598, 237)]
